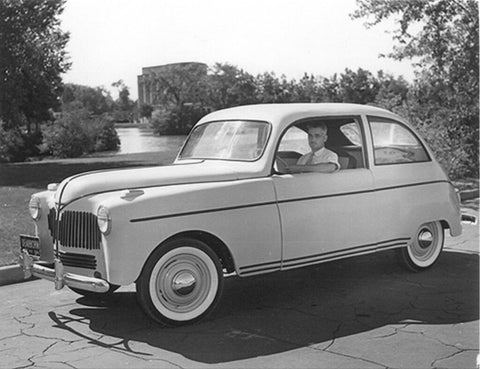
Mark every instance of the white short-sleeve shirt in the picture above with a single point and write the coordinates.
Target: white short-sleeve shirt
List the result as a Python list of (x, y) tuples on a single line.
[(320, 156)]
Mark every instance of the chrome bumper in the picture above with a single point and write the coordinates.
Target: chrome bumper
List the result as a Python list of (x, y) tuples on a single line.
[(468, 218), (57, 275)]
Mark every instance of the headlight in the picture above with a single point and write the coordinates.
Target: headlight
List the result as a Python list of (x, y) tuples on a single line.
[(104, 220), (35, 208)]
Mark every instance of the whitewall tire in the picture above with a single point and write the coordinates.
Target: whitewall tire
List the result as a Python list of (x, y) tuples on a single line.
[(181, 282), (425, 247)]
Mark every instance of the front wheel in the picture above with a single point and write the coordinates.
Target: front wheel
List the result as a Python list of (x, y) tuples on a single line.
[(180, 283), (425, 248)]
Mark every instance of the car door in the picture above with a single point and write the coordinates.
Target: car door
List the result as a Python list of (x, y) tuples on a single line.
[(406, 182), (326, 216)]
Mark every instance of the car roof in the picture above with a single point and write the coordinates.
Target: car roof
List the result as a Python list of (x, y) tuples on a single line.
[(274, 113)]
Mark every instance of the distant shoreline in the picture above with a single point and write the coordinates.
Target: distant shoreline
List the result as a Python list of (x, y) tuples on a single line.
[(132, 125)]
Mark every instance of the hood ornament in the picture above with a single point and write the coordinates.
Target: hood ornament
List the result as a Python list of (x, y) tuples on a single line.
[(130, 194)]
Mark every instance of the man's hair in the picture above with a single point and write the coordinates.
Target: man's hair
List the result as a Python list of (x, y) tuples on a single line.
[(321, 125)]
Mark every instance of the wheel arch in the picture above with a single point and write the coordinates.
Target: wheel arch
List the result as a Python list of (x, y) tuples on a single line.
[(451, 227), (216, 245), (444, 224)]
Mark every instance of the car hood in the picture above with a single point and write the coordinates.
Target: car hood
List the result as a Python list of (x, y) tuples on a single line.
[(90, 183)]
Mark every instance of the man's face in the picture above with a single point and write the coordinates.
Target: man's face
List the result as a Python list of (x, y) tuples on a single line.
[(316, 138)]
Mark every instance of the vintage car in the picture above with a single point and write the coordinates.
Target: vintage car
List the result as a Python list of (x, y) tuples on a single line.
[(229, 204)]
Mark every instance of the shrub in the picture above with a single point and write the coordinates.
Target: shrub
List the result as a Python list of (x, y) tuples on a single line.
[(76, 134), (108, 139), (450, 140), (11, 145), (178, 120), (159, 121), (146, 111), (17, 146)]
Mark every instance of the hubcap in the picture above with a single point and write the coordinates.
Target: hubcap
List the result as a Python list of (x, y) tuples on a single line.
[(183, 283), (427, 244), (425, 238)]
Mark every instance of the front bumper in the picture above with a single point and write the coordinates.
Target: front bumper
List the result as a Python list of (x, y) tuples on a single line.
[(468, 218), (57, 274)]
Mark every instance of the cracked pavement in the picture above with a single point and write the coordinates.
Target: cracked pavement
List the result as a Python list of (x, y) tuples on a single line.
[(365, 312)]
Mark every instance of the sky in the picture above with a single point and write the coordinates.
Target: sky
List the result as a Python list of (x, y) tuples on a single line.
[(113, 39)]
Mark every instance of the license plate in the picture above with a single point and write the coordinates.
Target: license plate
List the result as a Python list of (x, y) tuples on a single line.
[(31, 244)]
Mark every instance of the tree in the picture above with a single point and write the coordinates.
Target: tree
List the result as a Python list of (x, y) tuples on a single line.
[(441, 36), (359, 87), (177, 84), (448, 34), (307, 89), (392, 91), (123, 108), (95, 100), (123, 102), (32, 58), (229, 86), (270, 89), (146, 111)]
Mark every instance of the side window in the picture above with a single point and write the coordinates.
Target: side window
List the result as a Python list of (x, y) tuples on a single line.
[(394, 143), (352, 132), (343, 137), (295, 139)]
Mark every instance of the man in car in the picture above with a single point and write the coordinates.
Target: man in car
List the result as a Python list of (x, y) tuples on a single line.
[(320, 159)]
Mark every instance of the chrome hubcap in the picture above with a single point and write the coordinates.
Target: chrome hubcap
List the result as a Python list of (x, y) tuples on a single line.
[(425, 238), (426, 243), (183, 283)]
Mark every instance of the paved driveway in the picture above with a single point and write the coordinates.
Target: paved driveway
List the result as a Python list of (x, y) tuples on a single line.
[(358, 313)]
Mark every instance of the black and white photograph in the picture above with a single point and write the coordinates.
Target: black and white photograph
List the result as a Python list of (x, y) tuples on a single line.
[(239, 184)]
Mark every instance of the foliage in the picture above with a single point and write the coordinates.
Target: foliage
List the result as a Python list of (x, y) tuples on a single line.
[(96, 100), (445, 95), (177, 120), (107, 139), (32, 60), (229, 86), (16, 145), (226, 85), (179, 83), (11, 145), (308, 90), (76, 134), (123, 103), (146, 111)]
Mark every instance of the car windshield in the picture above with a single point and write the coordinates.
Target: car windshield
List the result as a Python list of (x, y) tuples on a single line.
[(227, 140)]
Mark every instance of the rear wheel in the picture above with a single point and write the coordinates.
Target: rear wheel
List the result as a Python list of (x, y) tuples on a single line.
[(180, 283), (425, 248)]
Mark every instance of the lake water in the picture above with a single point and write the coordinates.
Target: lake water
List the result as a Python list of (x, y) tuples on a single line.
[(135, 140)]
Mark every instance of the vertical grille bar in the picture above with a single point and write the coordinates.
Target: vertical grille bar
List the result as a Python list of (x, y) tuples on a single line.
[(81, 230), (88, 231), (70, 229), (76, 233), (76, 229)]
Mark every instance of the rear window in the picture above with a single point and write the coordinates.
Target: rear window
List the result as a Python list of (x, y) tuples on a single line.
[(394, 143)]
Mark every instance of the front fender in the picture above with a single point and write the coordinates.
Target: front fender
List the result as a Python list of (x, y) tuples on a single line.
[(242, 213)]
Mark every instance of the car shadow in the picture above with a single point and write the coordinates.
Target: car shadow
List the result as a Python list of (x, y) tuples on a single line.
[(274, 313)]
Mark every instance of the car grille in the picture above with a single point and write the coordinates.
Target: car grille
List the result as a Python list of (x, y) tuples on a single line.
[(75, 229), (78, 260)]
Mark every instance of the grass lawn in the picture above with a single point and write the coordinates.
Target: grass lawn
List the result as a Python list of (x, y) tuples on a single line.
[(19, 181)]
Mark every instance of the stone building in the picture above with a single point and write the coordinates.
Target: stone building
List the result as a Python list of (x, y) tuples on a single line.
[(153, 82)]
